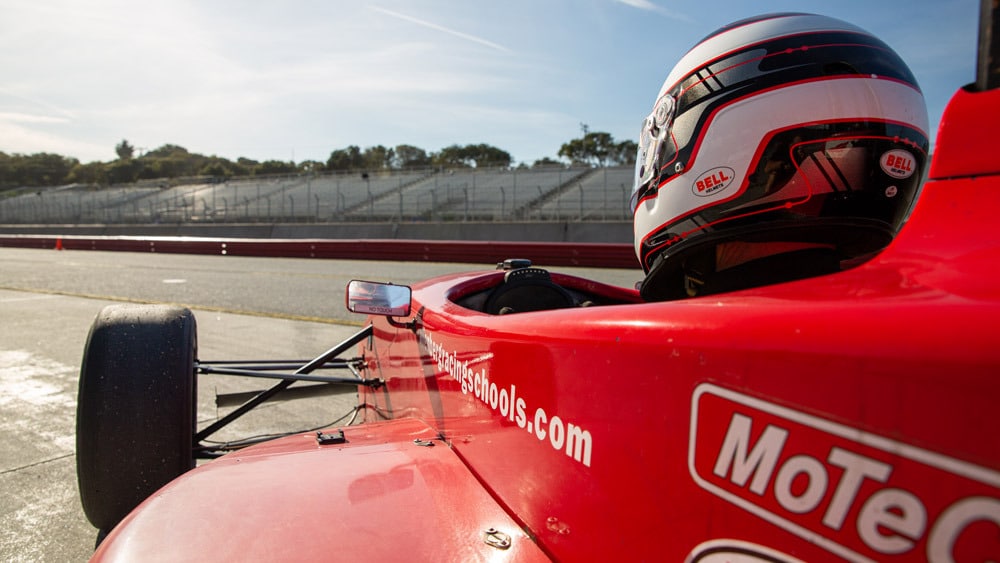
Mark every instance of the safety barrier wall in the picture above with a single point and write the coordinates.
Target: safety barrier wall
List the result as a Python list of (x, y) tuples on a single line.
[(595, 255), (549, 231)]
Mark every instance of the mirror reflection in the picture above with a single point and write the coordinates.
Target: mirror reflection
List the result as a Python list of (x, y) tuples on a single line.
[(375, 298)]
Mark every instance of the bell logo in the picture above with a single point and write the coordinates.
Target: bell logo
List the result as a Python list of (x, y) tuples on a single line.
[(713, 181), (860, 496), (898, 163)]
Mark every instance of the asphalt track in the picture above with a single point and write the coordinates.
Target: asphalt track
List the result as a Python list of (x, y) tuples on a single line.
[(246, 308)]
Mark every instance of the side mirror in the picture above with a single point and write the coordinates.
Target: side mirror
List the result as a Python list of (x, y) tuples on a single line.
[(374, 298)]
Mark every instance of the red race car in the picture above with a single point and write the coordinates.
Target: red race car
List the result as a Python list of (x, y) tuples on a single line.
[(521, 414)]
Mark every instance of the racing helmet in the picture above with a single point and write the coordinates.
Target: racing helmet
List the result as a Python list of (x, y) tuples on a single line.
[(788, 130)]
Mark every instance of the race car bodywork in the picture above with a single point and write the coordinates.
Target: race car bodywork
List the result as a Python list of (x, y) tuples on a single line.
[(390, 489), (847, 416)]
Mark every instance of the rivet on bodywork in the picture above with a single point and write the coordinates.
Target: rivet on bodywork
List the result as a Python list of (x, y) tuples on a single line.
[(496, 538), (553, 523)]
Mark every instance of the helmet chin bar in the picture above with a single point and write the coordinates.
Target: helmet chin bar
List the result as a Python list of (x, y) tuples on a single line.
[(824, 245), (793, 265)]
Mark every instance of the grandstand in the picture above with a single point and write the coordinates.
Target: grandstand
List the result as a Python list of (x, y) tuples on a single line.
[(541, 194)]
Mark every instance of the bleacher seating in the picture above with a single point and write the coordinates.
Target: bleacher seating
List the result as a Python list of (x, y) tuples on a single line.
[(543, 194)]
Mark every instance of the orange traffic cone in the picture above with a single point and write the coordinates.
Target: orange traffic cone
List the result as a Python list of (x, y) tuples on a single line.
[(59, 245)]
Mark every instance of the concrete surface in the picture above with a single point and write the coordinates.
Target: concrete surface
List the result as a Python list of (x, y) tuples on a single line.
[(41, 345)]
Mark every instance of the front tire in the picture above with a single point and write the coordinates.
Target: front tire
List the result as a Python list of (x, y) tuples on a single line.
[(136, 407)]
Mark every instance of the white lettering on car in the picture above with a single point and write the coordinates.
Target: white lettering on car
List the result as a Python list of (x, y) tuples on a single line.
[(576, 442), (859, 495)]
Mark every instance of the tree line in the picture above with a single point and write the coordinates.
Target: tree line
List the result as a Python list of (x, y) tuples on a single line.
[(172, 161)]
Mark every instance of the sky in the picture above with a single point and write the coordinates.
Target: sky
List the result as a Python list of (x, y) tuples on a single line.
[(297, 79)]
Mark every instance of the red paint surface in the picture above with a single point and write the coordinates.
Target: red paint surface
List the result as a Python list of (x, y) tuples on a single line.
[(380, 497)]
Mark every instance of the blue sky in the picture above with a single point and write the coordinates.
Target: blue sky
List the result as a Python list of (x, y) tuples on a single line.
[(295, 80)]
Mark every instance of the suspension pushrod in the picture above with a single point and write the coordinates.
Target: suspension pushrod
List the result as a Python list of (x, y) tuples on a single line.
[(288, 376), (335, 363), (284, 383), (210, 367)]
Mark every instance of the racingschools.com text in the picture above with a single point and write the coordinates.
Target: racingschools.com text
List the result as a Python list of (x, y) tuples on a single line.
[(472, 375)]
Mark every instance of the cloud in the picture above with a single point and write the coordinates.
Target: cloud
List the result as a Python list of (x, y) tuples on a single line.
[(33, 101), (18, 139), (436, 27), (651, 7), (29, 118)]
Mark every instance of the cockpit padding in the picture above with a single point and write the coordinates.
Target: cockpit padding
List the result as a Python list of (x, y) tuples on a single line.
[(527, 289)]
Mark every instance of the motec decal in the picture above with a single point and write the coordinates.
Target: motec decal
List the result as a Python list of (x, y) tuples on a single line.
[(713, 181), (858, 495), (736, 551), (898, 163)]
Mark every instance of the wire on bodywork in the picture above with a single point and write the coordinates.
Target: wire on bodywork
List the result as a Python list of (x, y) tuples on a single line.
[(233, 445), (383, 414), (218, 448)]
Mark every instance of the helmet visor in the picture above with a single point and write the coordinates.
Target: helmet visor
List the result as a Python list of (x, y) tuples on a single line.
[(654, 132)]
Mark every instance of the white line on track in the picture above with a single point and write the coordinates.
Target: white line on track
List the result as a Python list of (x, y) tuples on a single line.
[(32, 298)]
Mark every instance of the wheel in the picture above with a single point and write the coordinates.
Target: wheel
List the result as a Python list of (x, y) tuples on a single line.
[(136, 407)]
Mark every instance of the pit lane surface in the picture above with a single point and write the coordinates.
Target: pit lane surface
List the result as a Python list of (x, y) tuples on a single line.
[(246, 308)]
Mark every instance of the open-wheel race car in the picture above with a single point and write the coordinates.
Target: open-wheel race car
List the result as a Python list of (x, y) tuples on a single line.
[(521, 414)]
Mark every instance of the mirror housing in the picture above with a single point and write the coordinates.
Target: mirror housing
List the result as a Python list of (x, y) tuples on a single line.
[(376, 298)]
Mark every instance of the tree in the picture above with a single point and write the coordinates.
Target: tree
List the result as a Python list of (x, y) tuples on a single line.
[(173, 161), (169, 161), (218, 167), (450, 157), (307, 166), (167, 151), (592, 149), (91, 173), (123, 171), (378, 158), (124, 150), (481, 155), (546, 162), (245, 166), (576, 151), (408, 156), (486, 155), (352, 158), (39, 169), (269, 167), (597, 148), (345, 159), (625, 153)]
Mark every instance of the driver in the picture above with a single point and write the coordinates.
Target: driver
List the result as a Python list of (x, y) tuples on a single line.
[(780, 147)]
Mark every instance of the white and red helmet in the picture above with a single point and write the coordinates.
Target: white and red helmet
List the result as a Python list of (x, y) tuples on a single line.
[(788, 127)]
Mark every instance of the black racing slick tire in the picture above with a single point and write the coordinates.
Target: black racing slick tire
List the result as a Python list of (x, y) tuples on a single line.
[(136, 407)]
